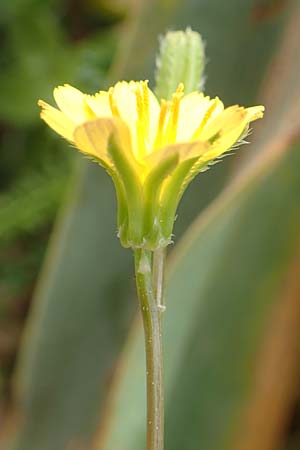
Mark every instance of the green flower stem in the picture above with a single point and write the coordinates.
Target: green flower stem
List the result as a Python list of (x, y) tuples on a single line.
[(146, 271)]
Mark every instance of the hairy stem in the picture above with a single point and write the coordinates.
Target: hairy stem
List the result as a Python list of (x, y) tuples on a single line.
[(145, 267)]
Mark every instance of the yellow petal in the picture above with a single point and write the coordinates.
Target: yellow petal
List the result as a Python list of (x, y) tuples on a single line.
[(214, 109), (92, 137), (229, 119), (138, 107), (194, 108), (227, 128), (99, 104), (254, 113), (57, 120), (232, 117), (72, 103), (123, 95)]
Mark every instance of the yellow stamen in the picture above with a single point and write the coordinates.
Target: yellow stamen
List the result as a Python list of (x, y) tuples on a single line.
[(173, 122), (164, 107), (206, 118), (89, 113), (180, 88), (112, 103), (142, 124), (175, 113), (146, 106)]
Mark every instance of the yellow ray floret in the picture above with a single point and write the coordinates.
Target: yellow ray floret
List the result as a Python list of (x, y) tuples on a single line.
[(151, 147), (154, 126)]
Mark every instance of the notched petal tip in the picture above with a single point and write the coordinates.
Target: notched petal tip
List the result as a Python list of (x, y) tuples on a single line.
[(255, 112), (56, 120), (45, 106)]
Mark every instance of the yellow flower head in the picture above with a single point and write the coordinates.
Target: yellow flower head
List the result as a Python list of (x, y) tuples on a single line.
[(151, 148)]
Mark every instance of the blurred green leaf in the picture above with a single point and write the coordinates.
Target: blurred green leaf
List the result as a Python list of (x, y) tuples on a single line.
[(39, 59), (89, 343), (38, 55), (32, 202)]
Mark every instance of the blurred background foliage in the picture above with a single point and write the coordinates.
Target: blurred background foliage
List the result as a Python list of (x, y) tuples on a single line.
[(62, 381), (43, 44)]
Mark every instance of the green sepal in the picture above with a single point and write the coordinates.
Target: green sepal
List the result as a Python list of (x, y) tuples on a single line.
[(181, 59), (171, 196), (130, 191), (152, 190), (122, 209)]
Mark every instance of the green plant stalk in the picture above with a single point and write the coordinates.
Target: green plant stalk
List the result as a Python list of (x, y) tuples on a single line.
[(149, 271)]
